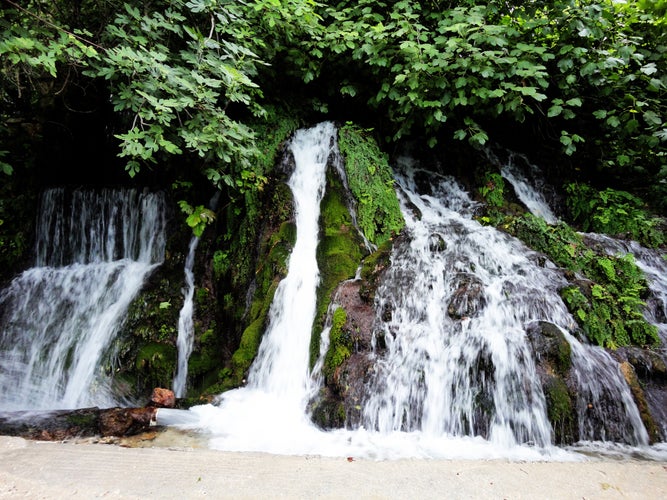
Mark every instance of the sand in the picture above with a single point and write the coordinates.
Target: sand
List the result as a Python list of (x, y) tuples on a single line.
[(35, 469)]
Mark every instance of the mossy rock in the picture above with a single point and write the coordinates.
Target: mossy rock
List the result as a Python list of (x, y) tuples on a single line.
[(244, 355), (551, 348), (155, 364), (560, 410), (339, 251), (371, 182), (372, 269)]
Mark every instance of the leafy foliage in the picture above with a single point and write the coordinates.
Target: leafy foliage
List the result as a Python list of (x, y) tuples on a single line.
[(613, 212), (608, 307)]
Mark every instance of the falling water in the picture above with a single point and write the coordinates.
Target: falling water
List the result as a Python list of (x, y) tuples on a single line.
[(186, 328), (269, 413), (59, 318), (527, 182), (185, 338), (457, 358)]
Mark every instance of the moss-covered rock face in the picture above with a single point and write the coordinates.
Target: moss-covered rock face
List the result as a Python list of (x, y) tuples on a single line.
[(560, 409), (552, 355), (372, 184), (339, 252)]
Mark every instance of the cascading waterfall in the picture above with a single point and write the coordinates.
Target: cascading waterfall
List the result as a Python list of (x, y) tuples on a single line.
[(457, 359), (456, 378), (186, 328), (185, 338), (268, 414), (59, 318)]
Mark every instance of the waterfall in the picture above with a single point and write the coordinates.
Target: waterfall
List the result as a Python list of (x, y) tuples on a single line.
[(460, 294), (59, 318), (268, 414), (453, 372), (186, 328)]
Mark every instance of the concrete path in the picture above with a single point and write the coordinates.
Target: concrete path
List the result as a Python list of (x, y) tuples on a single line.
[(46, 470)]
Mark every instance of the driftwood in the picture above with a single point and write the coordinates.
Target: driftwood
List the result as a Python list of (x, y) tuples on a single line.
[(84, 422), (56, 425)]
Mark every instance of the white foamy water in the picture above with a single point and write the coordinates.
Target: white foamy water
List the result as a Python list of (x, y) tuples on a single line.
[(59, 319)]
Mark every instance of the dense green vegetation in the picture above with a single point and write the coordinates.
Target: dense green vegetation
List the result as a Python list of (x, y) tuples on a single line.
[(184, 79)]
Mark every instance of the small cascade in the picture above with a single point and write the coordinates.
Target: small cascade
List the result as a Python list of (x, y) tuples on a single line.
[(605, 407), (186, 329), (59, 318), (457, 359), (269, 413), (185, 338), (528, 184)]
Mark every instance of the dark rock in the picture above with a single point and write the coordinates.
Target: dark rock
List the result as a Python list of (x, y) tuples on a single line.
[(77, 423), (126, 421), (436, 243), (640, 399), (468, 299), (551, 349), (360, 314)]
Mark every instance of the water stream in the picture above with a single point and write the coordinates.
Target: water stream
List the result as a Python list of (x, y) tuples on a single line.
[(186, 327), (454, 373), (59, 318)]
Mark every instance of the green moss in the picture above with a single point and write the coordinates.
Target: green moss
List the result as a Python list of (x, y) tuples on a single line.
[(372, 184), (155, 363), (560, 410), (244, 355), (609, 308), (493, 189), (339, 252), (614, 212), (340, 343)]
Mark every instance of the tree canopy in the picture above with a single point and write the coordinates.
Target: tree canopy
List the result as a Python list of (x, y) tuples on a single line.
[(192, 82)]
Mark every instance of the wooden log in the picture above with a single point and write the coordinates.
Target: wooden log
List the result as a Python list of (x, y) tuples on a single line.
[(59, 425)]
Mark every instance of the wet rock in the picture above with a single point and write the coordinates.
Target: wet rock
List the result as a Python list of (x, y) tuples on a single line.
[(640, 399), (645, 371), (339, 403), (647, 363), (560, 409), (551, 349), (468, 298), (163, 398), (436, 243), (351, 383), (360, 314)]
